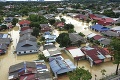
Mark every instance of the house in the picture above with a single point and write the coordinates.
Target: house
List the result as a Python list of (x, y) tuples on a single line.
[(91, 35), (75, 38), (111, 34), (36, 70), (104, 52), (59, 24), (105, 21), (27, 47), (75, 53), (59, 65), (42, 71), (98, 37), (24, 23), (2, 35), (93, 55), (24, 28), (3, 49), (27, 31), (50, 38), (50, 50), (8, 19), (49, 16), (117, 21), (6, 41), (116, 29), (27, 37), (105, 42), (81, 17), (99, 28), (45, 28)]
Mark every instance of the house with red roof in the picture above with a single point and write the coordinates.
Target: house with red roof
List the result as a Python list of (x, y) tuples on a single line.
[(45, 28), (24, 28), (36, 70), (81, 17), (59, 24), (105, 21), (24, 23), (93, 56)]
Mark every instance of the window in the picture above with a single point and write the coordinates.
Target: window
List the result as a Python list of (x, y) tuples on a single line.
[(19, 52), (24, 51)]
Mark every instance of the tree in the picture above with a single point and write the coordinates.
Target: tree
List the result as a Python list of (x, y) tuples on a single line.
[(1, 19), (81, 34), (63, 39), (115, 46), (103, 72), (62, 20), (35, 32), (14, 21), (80, 74), (69, 26), (52, 21), (41, 57)]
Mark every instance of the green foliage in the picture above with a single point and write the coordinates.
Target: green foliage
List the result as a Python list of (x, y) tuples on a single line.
[(115, 46), (63, 39), (62, 20), (41, 57), (38, 19), (14, 21), (35, 24), (35, 32), (71, 31), (110, 13), (38, 43), (42, 39), (4, 27), (80, 74), (52, 21), (1, 19), (81, 34), (103, 71), (69, 26)]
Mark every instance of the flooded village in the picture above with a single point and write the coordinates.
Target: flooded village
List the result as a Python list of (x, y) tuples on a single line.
[(45, 43)]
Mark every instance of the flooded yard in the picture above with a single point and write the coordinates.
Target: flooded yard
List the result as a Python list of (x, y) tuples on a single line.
[(10, 59), (95, 70)]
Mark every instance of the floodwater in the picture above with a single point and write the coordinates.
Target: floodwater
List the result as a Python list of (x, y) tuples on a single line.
[(9, 58), (95, 70)]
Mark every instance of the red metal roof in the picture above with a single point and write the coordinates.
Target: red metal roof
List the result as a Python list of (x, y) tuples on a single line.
[(24, 28), (27, 77), (97, 37), (91, 53), (98, 61), (24, 22), (69, 48)]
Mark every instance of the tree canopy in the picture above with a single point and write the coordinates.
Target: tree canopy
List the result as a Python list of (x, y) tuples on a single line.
[(80, 74), (63, 39), (35, 32), (115, 46), (69, 26)]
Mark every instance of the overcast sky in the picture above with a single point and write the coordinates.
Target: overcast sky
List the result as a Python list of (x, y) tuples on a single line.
[(32, 0)]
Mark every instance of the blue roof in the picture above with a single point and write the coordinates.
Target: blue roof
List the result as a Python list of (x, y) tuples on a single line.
[(59, 66), (99, 27)]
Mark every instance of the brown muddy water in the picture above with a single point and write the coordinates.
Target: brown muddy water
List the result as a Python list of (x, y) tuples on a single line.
[(9, 59)]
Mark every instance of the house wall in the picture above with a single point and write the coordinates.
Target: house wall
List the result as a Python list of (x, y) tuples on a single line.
[(69, 54), (26, 52), (107, 59)]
